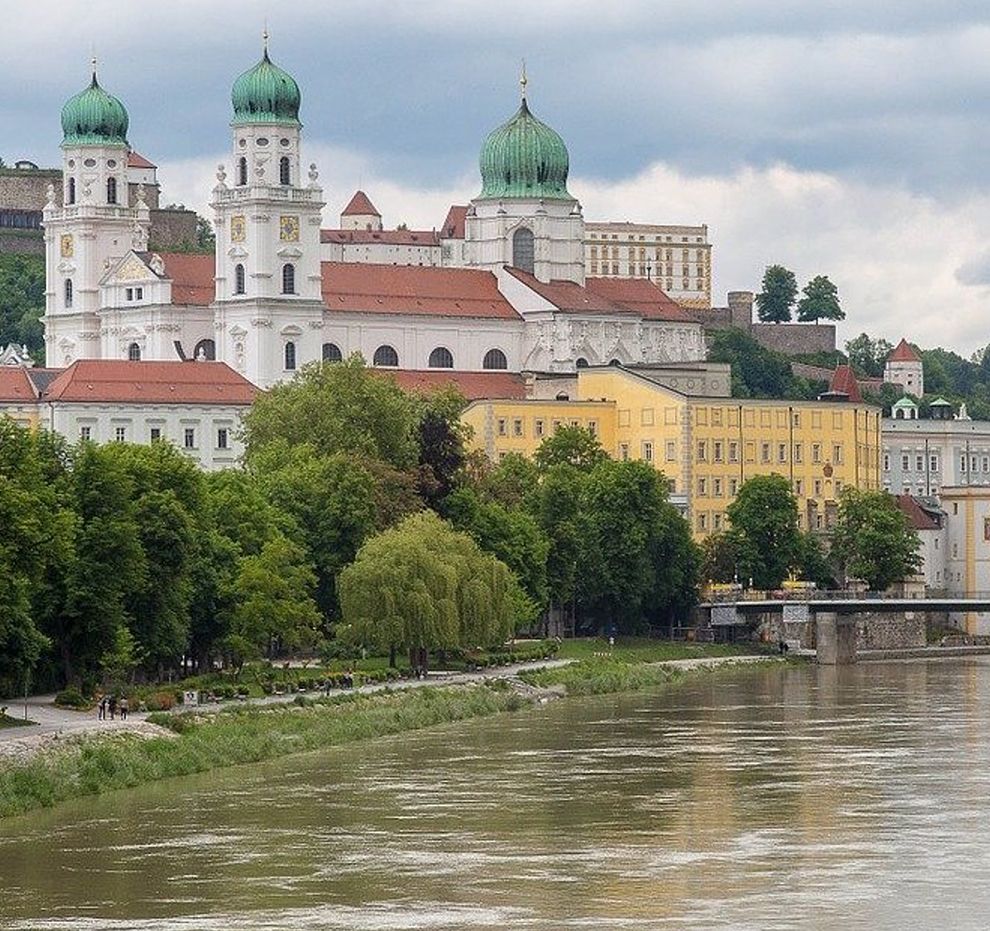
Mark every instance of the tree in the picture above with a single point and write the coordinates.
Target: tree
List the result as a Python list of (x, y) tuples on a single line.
[(441, 437), (820, 301), (873, 539), (343, 408), (512, 482), (764, 529), (22, 301), (757, 372), (868, 356), (576, 446), (206, 239), (719, 558), (778, 292), (813, 562), (557, 508)]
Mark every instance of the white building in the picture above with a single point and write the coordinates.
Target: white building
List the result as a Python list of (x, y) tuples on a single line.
[(904, 367), (278, 293)]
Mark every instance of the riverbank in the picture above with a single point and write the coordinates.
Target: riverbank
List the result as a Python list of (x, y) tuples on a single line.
[(167, 745)]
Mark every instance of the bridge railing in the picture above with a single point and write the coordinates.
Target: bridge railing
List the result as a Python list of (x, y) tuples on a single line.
[(820, 594)]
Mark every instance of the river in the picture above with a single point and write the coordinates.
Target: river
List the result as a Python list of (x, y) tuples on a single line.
[(762, 798)]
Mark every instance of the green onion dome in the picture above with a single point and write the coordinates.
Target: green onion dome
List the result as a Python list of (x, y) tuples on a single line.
[(265, 94), (524, 158), (94, 117)]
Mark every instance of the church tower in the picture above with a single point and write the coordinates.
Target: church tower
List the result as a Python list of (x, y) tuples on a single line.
[(524, 215), (95, 224), (269, 306)]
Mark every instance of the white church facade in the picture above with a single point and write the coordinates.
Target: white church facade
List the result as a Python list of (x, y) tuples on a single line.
[(279, 293)]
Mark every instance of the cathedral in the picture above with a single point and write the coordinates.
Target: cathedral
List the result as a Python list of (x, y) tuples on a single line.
[(511, 296)]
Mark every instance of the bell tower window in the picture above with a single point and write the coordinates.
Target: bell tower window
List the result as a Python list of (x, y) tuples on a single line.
[(134, 352), (283, 170), (289, 279), (68, 292), (238, 279), (242, 171), (72, 190), (523, 250), (111, 190)]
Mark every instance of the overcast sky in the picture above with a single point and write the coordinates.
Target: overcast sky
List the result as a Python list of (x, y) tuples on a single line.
[(843, 137)]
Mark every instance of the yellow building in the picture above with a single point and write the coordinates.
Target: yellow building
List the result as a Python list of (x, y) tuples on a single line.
[(706, 443)]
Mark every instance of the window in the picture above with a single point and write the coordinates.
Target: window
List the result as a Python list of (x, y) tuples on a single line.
[(781, 452), (798, 487), (919, 463), (290, 356), (733, 452), (68, 292), (837, 453), (702, 522), (85, 433), (838, 486), (733, 487), (670, 452), (495, 359), (111, 190), (205, 351), (816, 450), (189, 438), (441, 358), (134, 352), (283, 170), (242, 171), (702, 486), (129, 294), (120, 434), (502, 428), (72, 190), (289, 278), (905, 462), (156, 434), (796, 419), (139, 294), (886, 462), (523, 251), (647, 451), (717, 487), (539, 428), (764, 452), (581, 363), (798, 452), (221, 438), (517, 427), (624, 452), (818, 487), (238, 279), (332, 353), (933, 463), (962, 464), (385, 355), (593, 427), (717, 452), (717, 521), (702, 451)]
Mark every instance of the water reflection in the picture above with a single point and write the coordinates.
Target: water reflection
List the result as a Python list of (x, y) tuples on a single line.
[(756, 799)]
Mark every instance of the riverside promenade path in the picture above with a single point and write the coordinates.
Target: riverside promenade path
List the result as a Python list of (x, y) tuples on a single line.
[(52, 723)]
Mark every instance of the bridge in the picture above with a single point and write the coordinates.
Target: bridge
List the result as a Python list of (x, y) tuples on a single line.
[(833, 612)]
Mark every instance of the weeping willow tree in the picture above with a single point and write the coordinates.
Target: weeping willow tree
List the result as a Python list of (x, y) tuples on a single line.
[(424, 586)]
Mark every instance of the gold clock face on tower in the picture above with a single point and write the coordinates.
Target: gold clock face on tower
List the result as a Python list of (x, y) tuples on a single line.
[(289, 229), (237, 229), (67, 246)]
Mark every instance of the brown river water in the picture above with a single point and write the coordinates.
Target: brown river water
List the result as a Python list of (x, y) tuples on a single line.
[(761, 798)]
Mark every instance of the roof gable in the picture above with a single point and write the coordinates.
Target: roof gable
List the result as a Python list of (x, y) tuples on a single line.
[(192, 276), (453, 224), (903, 352), (360, 205), (15, 385)]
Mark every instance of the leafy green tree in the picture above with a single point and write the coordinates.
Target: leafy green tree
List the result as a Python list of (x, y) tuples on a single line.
[(820, 301), (441, 437), (873, 539), (813, 562), (118, 663), (719, 558), (558, 512), (512, 482), (22, 301), (777, 294), (868, 356), (764, 529), (206, 239), (343, 408), (238, 508), (757, 372), (574, 445)]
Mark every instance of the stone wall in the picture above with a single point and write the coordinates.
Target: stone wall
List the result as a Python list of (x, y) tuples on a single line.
[(171, 228), (27, 188), (880, 631), (795, 338), (29, 242)]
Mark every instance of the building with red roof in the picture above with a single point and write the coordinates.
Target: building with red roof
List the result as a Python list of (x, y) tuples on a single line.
[(905, 368)]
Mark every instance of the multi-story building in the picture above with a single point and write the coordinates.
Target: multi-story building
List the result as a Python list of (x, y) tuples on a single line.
[(921, 456), (677, 258), (197, 406), (904, 367), (706, 443), (967, 551)]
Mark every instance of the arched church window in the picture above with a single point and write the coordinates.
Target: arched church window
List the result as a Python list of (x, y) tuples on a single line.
[(72, 190), (242, 171), (523, 255), (289, 279), (441, 358), (332, 353), (494, 359), (290, 356), (238, 279), (68, 292), (283, 170), (205, 351), (581, 363), (385, 355), (617, 362), (111, 190), (134, 352)]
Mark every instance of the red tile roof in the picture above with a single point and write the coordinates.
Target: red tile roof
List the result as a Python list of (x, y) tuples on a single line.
[(15, 384), (122, 381), (474, 386), (137, 160), (844, 381), (569, 296), (453, 224), (389, 237), (360, 205), (413, 289), (919, 518), (904, 352), (192, 277), (641, 295)]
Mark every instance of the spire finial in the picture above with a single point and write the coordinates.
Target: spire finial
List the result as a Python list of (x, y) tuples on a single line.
[(523, 81), (265, 37), (92, 61)]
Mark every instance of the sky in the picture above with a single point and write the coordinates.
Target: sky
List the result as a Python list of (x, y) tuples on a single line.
[(841, 137)]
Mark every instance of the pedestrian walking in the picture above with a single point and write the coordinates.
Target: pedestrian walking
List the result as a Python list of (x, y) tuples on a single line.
[(101, 709), (124, 708), (112, 704)]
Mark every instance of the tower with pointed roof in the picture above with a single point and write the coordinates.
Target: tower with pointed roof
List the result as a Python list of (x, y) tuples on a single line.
[(269, 310), (904, 367), (524, 216), (95, 224)]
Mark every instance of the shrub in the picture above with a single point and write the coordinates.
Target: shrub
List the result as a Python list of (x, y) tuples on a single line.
[(71, 698), (161, 701)]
